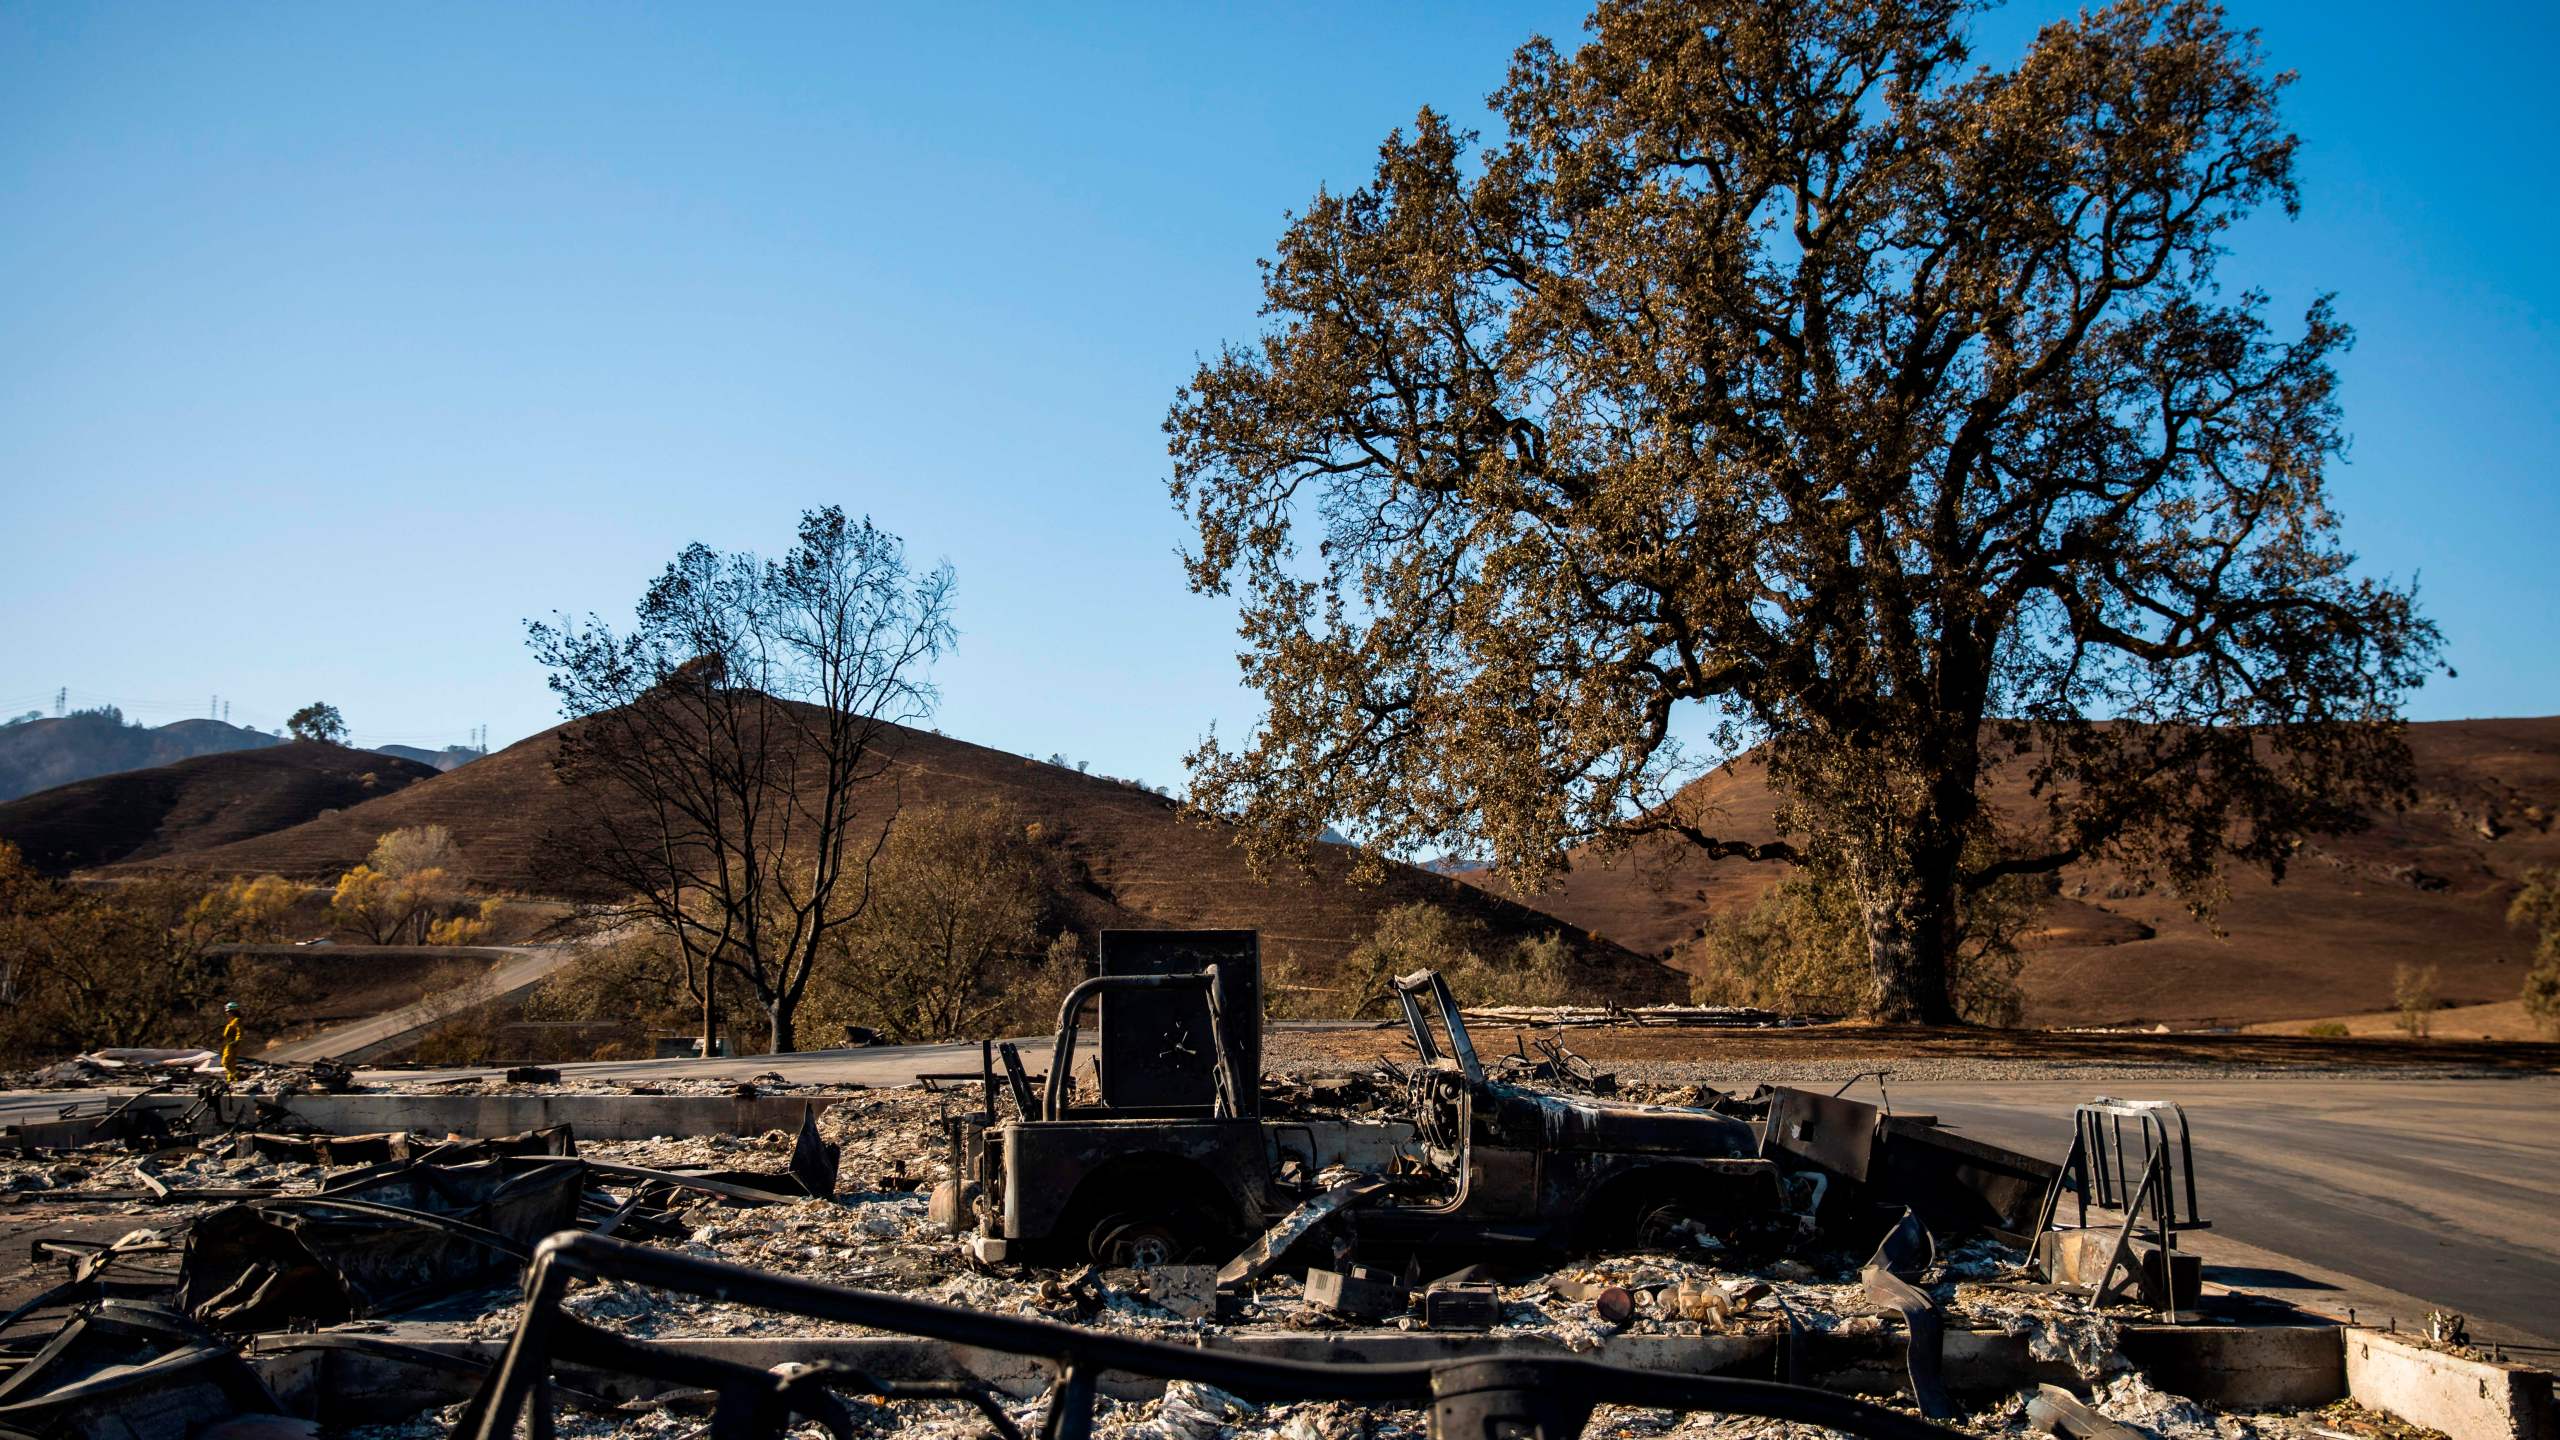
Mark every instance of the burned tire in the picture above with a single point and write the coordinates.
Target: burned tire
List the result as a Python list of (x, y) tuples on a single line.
[(1138, 1243), (1667, 1226), (1656, 1210), (1151, 1214), (1181, 1235)]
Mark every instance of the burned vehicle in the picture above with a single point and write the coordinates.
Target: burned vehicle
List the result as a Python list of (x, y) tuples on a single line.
[(1179, 1156)]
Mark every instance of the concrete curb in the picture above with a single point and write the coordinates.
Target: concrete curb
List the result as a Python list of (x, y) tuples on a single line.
[(596, 1117), (2466, 1399)]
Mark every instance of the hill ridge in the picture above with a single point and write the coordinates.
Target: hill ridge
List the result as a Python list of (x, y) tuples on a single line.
[(201, 801), (2428, 884), (1145, 861), (50, 751)]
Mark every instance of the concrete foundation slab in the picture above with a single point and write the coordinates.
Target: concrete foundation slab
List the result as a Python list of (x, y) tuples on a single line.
[(595, 1117), (2251, 1366)]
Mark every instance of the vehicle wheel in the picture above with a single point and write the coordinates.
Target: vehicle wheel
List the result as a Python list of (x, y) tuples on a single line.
[(1668, 1225), (1139, 1242)]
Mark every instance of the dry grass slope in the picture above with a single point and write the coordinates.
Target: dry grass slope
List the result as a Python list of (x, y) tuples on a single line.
[(209, 800), (40, 754), (1143, 863), (2428, 885)]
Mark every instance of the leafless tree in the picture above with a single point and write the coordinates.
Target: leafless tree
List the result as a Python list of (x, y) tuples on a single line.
[(728, 747)]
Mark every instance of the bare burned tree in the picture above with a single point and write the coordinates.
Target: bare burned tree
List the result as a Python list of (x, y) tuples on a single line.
[(729, 743), (1783, 361)]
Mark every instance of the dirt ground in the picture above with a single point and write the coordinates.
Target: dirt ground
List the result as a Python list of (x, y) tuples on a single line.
[(2505, 1020)]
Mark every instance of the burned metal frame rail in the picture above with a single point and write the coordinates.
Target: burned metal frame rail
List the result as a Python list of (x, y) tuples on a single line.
[(1531, 1396)]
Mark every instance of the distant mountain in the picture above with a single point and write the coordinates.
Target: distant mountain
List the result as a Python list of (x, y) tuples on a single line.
[(451, 757), (2428, 885), (1143, 863), (204, 801), (40, 754)]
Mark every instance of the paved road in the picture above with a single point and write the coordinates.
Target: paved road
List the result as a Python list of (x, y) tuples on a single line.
[(525, 967), (2443, 1190)]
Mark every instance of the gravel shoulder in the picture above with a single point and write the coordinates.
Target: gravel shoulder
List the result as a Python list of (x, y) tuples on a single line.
[(1819, 1054)]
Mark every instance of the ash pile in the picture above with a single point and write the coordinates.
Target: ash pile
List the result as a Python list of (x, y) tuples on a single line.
[(1157, 1243)]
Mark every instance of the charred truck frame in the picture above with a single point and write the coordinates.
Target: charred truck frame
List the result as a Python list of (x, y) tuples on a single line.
[(1180, 1157)]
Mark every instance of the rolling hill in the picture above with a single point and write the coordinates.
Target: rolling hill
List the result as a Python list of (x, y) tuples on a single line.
[(2426, 885), (207, 800), (40, 754), (451, 757), (1142, 863)]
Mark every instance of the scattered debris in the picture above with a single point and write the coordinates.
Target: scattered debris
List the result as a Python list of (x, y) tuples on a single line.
[(1688, 1211), (2058, 1411), (1461, 1305), (122, 1369), (1905, 1253), (1360, 1292), (420, 1231)]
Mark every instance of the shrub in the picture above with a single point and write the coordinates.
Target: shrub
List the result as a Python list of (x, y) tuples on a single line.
[(2413, 992), (958, 933), (466, 929), (1480, 969), (2537, 908), (1802, 948), (2326, 1030)]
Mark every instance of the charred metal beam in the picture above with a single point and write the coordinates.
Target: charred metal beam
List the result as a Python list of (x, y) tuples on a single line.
[(1551, 1388)]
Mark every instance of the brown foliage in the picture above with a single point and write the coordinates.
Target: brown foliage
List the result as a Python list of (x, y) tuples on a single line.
[(83, 971), (961, 932), (1780, 361), (2537, 908)]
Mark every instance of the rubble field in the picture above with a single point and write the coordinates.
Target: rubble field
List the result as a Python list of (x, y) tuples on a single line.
[(872, 1232)]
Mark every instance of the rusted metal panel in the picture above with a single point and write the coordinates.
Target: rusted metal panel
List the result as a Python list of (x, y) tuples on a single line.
[(1048, 1165), (1155, 1045)]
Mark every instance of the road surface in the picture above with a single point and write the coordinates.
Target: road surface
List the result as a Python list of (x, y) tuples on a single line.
[(525, 967), (2444, 1191)]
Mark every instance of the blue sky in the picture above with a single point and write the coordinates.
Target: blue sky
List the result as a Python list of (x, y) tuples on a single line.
[(339, 339)]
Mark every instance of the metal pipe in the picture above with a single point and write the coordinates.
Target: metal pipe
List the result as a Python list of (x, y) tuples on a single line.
[(1089, 1352)]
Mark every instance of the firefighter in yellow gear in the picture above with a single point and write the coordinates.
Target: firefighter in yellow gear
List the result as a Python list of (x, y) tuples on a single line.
[(230, 1035)]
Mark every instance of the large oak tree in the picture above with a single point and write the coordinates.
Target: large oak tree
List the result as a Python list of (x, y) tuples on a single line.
[(1780, 360)]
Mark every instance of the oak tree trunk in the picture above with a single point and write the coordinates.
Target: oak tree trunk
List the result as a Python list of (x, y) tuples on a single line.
[(1908, 897)]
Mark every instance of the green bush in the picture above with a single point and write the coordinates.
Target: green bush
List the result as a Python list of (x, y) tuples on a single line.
[(1803, 949), (1480, 968), (2537, 908), (2326, 1030)]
